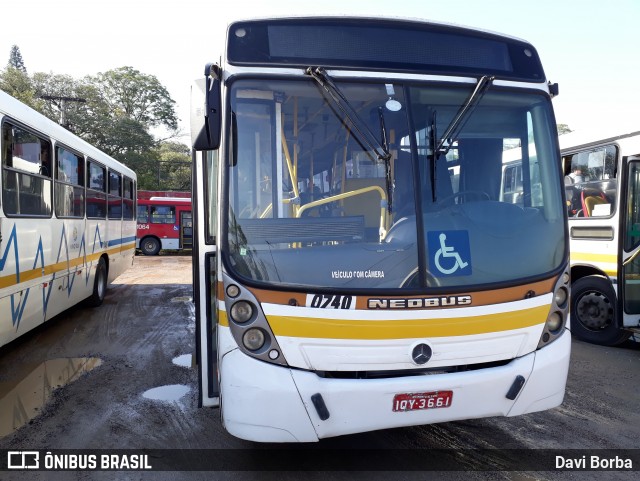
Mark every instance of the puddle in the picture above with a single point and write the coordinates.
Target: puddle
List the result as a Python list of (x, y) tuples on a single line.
[(183, 361), (170, 393), (25, 397)]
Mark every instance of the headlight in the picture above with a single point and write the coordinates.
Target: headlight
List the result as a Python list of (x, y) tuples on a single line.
[(554, 321), (253, 339), (248, 324), (561, 296), (559, 312), (241, 312)]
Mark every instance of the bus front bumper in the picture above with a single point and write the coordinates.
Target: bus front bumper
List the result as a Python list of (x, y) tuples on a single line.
[(268, 403)]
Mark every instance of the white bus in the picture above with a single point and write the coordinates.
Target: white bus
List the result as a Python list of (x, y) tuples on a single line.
[(603, 198), (67, 220), (355, 267)]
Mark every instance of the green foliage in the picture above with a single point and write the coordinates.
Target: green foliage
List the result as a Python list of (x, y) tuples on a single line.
[(176, 158), (168, 167), (115, 111), (131, 94), (15, 59), (18, 84)]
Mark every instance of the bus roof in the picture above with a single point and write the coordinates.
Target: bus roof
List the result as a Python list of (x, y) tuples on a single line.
[(582, 139), (13, 108), (173, 200)]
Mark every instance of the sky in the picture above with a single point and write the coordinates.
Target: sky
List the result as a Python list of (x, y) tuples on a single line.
[(588, 47)]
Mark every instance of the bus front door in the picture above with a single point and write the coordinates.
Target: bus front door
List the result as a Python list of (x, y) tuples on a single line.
[(186, 230), (629, 274)]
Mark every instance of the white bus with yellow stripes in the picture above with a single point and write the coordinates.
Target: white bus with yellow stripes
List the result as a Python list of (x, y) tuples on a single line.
[(355, 267), (603, 198), (67, 220)]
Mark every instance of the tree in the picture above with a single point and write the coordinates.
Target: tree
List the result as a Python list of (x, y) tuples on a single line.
[(17, 83), (136, 96), (61, 95), (166, 167), (116, 112), (175, 164), (15, 59)]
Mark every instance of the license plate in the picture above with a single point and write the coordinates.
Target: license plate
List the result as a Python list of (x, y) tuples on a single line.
[(422, 400)]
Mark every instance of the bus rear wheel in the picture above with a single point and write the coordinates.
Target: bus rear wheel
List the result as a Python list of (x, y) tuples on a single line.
[(99, 285), (150, 246), (593, 312)]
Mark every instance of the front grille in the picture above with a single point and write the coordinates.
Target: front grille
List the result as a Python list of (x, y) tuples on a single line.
[(408, 372)]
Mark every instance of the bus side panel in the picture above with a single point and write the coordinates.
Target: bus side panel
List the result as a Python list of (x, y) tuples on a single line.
[(96, 239), (123, 259), (114, 243), (20, 311), (48, 277), (25, 261)]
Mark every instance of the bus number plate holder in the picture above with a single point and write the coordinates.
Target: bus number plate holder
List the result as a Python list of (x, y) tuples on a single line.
[(422, 400)]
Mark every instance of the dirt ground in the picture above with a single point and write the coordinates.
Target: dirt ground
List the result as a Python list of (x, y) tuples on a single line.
[(121, 377)]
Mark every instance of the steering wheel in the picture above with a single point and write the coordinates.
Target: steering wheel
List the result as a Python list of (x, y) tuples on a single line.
[(464, 193)]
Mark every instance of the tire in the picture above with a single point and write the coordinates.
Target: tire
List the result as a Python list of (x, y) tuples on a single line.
[(99, 285), (150, 246), (593, 312)]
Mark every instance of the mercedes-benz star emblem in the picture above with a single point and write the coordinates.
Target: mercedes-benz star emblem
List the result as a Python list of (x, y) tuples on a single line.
[(421, 354)]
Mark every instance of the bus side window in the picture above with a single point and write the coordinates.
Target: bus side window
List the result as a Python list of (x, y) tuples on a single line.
[(96, 191), (127, 199), (114, 209), (143, 214), (163, 214), (26, 173)]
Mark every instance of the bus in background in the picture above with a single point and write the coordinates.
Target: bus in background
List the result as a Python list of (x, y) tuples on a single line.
[(164, 223), (147, 194), (355, 265), (67, 220), (602, 186)]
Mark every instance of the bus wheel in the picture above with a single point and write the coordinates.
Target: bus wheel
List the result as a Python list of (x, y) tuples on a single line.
[(150, 246), (593, 312), (99, 285)]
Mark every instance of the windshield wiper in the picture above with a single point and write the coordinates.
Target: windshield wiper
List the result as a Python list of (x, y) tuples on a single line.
[(364, 133), (370, 141), (455, 127), (387, 160), (433, 154)]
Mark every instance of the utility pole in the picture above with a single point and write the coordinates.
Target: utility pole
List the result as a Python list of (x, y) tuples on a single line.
[(61, 103)]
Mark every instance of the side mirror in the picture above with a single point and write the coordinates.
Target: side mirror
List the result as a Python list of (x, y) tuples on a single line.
[(206, 110)]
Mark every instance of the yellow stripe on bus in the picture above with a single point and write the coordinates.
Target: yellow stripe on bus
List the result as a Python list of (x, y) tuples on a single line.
[(321, 328), (597, 260), (590, 257), (38, 272)]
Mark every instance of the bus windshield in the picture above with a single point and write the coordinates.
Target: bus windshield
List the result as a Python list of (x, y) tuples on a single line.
[(312, 205)]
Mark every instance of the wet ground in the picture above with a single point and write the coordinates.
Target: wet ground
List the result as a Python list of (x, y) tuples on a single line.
[(121, 377)]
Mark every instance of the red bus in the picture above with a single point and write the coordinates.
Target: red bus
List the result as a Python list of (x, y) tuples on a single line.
[(164, 223)]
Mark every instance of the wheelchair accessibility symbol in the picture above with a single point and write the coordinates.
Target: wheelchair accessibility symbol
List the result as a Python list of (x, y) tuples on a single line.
[(450, 253)]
